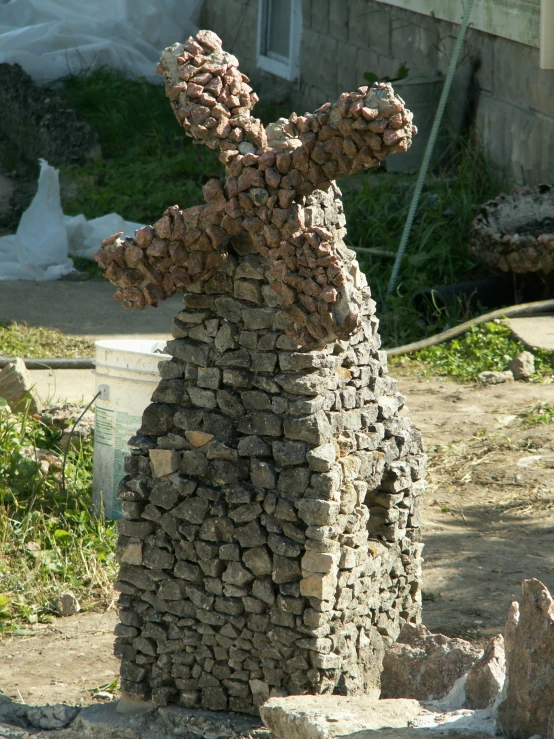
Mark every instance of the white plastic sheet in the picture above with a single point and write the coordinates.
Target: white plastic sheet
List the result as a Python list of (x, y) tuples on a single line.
[(45, 239), (52, 38)]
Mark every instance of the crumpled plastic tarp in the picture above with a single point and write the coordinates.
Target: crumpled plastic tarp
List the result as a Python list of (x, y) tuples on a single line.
[(45, 239), (53, 38)]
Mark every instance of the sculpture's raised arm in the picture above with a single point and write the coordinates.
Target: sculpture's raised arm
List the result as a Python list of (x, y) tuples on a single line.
[(182, 248)]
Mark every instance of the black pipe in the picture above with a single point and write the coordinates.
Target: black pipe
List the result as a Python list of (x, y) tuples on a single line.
[(493, 292), (54, 364)]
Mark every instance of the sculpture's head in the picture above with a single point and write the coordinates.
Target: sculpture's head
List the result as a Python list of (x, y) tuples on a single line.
[(269, 174)]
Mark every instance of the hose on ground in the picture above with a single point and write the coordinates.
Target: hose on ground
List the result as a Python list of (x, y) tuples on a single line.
[(523, 309)]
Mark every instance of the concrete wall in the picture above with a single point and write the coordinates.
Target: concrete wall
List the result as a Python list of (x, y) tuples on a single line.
[(342, 39)]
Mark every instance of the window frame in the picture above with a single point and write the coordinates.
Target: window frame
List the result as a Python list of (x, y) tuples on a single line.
[(288, 69)]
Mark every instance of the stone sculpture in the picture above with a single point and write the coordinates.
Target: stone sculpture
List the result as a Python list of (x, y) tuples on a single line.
[(269, 544)]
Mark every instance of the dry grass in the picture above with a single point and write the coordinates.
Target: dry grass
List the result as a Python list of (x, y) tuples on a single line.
[(22, 340)]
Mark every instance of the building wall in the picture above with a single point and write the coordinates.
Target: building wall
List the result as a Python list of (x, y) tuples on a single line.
[(342, 39)]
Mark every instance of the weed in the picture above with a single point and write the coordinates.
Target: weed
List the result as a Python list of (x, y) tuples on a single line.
[(22, 340), (489, 346), (49, 541), (538, 413)]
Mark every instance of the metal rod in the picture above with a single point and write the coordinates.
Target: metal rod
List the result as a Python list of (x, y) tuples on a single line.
[(429, 149)]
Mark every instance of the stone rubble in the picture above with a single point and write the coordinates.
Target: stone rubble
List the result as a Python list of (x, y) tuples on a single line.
[(270, 540)]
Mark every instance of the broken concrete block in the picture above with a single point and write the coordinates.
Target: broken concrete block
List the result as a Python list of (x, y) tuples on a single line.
[(423, 665), (17, 389), (326, 716)]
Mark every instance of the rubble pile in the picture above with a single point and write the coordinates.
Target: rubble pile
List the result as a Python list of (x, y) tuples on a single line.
[(269, 544)]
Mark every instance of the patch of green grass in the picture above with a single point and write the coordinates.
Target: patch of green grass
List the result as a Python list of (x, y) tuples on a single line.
[(49, 542), (489, 346), (148, 164), (22, 340), (538, 413)]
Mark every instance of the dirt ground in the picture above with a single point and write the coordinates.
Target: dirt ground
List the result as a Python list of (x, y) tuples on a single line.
[(488, 524)]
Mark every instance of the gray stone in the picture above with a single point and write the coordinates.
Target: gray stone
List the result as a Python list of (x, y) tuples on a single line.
[(287, 453), (495, 378), (209, 377), (248, 290), (306, 384), (322, 458), (230, 404), (262, 474), (251, 535), (194, 463), (236, 574), (294, 481), (229, 309), (311, 429), (157, 419), (258, 561), (188, 351), (328, 716), (285, 570), (192, 509), (256, 400), (263, 424), (225, 338), (317, 512), (258, 318), (253, 446), (66, 605)]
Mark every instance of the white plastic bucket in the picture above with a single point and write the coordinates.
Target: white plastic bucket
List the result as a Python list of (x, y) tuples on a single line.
[(126, 376)]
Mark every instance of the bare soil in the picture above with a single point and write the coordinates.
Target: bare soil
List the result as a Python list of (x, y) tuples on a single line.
[(488, 524)]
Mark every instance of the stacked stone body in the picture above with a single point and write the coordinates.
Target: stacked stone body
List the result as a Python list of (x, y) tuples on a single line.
[(269, 544)]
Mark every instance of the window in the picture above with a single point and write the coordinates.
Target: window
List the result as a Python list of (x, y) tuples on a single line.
[(279, 31)]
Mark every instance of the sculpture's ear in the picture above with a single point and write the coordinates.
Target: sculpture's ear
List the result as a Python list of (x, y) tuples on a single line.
[(209, 96)]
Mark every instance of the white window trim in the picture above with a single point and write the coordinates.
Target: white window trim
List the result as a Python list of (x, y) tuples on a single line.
[(288, 69)]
